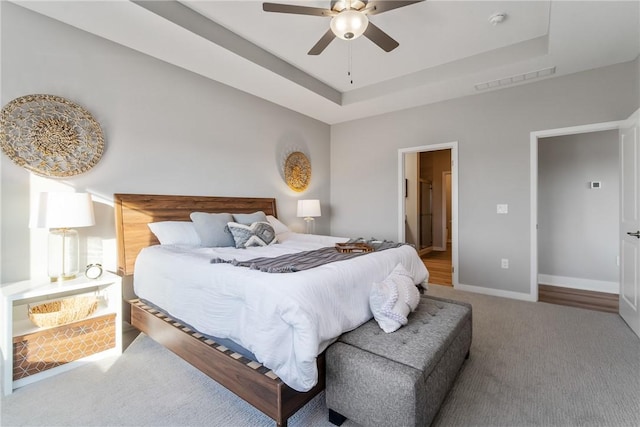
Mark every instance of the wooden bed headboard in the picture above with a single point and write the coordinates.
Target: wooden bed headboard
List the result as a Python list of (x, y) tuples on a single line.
[(134, 211)]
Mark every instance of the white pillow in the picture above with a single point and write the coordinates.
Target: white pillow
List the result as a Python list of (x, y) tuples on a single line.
[(175, 232), (393, 299), (278, 226)]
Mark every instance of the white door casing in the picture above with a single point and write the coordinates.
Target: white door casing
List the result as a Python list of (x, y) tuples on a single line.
[(630, 222)]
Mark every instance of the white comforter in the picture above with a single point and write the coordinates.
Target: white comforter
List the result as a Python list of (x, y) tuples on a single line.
[(284, 319)]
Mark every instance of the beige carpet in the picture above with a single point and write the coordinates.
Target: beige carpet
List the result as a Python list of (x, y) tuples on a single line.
[(531, 364)]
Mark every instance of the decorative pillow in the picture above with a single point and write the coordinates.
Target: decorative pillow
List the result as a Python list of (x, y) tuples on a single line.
[(212, 228), (277, 225), (256, 234), (175, 232), (393, 299), (250, 218)]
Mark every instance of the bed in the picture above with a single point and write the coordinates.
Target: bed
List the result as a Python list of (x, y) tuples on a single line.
[(169, 316)]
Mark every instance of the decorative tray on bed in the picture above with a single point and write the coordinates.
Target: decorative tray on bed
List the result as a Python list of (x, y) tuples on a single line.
[(353, 247)]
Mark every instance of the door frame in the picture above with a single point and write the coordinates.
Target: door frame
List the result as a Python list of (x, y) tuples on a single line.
[(533, 228), (453, 146)]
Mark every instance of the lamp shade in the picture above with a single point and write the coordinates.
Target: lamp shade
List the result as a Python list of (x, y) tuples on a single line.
[(64, 210), (308, 208)]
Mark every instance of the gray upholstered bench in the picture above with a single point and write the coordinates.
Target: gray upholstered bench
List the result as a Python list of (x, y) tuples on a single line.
[(401, 378)]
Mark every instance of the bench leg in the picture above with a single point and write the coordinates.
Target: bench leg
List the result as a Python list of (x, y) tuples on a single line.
[(336, 418)]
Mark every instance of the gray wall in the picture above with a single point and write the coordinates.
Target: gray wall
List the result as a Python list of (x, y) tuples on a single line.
[(167, 131), (493, 131), (578, 233)]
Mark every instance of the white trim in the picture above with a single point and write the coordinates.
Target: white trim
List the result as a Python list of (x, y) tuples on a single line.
[(533, 228), (579, 283), (533, 180), (453, 146), (496, 292)]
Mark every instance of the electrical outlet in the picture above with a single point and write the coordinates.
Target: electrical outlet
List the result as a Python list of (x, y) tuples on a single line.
[(502, 209), (504, 263)]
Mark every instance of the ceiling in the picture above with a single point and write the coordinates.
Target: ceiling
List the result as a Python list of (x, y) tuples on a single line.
[(448, 49)]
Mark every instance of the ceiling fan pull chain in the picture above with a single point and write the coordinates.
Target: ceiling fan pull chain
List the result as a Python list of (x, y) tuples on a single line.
[(350, 64)]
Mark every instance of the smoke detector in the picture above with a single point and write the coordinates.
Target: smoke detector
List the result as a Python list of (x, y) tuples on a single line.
[(497, 18)]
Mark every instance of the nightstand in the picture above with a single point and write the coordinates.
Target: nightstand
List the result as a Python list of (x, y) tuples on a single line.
[(31, 353)]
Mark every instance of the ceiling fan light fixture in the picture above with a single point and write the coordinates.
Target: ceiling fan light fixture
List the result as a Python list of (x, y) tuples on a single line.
[(349, 24)]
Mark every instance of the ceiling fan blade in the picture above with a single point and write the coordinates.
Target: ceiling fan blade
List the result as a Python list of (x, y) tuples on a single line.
[(377, 7), (380, 38), (298, 10), (322, 43)]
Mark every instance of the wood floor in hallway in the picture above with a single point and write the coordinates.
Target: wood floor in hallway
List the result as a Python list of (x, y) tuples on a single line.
[(439, 265)]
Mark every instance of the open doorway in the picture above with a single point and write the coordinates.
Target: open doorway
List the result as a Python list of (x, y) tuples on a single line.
[(578, 220), (428, 177), (568, 184)]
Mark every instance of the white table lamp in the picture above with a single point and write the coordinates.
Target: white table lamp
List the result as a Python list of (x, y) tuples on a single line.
[(308, 209), (60, 211)]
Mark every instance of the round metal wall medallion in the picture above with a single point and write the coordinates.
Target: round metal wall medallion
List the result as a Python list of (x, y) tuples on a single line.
[(297, 171), (50, 135)]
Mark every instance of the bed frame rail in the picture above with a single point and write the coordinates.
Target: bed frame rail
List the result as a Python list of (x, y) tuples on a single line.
[(248, 379)]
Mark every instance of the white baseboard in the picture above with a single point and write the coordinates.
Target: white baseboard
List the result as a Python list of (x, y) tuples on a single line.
[(579, 283), (496, 292), (438, 248)]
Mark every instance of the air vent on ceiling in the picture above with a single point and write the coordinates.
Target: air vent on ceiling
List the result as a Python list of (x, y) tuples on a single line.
[(516, 79)]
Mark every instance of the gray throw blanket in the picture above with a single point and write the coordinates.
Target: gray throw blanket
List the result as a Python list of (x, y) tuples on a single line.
[(305, 260)]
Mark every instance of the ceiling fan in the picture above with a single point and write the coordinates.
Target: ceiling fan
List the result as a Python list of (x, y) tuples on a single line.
[(349, 20)]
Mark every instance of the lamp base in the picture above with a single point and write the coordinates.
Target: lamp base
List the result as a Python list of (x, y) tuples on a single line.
[(63, 278), (311, 225), (63, 254)]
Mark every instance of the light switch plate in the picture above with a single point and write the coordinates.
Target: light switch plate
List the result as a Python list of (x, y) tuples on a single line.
[(502, 208)]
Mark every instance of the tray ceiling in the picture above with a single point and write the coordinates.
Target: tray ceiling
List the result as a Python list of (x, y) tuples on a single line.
[(448, 49)]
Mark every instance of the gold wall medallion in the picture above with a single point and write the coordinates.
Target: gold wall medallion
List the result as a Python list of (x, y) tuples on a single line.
[(50, 135), (297, 171)]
